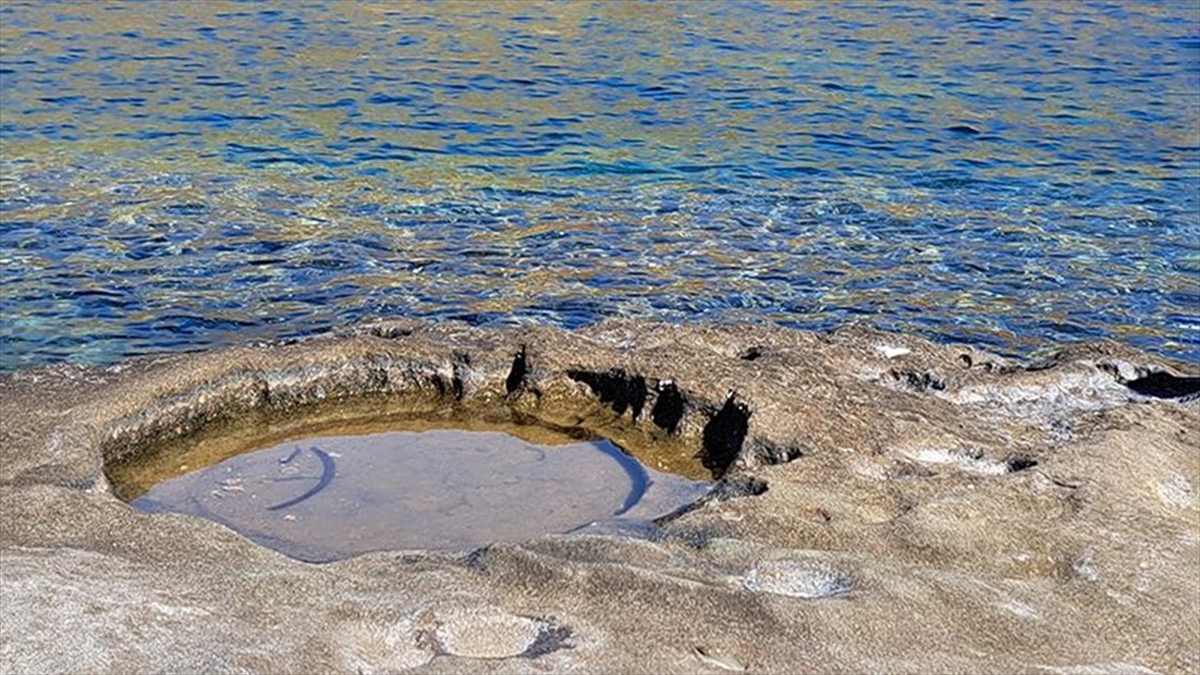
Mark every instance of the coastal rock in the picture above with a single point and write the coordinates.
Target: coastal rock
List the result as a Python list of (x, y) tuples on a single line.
[(796, 579), (883, 504)]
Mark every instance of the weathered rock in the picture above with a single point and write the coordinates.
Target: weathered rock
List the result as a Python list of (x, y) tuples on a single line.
[(887, 505)]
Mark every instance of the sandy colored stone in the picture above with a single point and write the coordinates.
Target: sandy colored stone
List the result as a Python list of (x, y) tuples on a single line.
[(473, 628), (889, 505)]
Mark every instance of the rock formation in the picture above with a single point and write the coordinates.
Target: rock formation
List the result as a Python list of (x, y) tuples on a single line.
[(884, 504)]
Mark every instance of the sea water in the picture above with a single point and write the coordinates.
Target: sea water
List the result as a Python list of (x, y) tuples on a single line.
[(185, 175)]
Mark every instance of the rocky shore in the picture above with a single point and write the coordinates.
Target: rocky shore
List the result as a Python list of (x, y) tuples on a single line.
[(884, 504)]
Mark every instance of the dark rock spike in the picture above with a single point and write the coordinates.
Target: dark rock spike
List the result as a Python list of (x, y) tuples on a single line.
[(438, 383), (516, 376), (635, 389), (668, 408), (462, 361), (751, 353), (615, 388), (1165, 385), (1015, 464), (723, 436)]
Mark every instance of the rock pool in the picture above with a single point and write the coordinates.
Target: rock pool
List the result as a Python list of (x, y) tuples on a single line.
[(331, 497)]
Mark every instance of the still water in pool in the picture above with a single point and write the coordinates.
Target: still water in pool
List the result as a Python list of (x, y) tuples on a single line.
[(183, 175), (332, 497)]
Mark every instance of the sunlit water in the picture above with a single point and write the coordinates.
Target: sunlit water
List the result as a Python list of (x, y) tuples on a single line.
[(333, 497), (181, 175)]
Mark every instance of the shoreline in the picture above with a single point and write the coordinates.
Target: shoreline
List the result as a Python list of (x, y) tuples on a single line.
[(883, 503)]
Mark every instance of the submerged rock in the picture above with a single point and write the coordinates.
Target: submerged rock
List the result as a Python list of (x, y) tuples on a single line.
[(884, 504)]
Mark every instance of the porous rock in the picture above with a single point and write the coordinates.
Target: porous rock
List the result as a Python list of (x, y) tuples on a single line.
[(886, 505)]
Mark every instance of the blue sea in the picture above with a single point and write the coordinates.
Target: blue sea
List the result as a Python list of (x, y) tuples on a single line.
[(185, 175)]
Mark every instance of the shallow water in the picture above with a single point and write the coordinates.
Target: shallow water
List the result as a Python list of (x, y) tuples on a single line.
[(332, 497), (176, 176)]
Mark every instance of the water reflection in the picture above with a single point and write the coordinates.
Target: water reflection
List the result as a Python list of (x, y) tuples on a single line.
[(333, 497), (180, 175)]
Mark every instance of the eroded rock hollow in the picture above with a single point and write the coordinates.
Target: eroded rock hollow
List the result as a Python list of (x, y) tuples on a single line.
[(882, 504)]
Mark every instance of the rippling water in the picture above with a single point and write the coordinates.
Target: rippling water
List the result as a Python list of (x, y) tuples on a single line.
[(179, 175)]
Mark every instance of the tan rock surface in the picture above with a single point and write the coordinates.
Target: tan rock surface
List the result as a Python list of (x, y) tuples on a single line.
[(943, 510)]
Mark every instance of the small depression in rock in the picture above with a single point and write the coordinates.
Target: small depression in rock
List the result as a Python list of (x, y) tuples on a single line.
[(324, 498)]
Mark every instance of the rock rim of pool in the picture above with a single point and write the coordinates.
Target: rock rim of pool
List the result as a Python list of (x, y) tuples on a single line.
[(883, 504)]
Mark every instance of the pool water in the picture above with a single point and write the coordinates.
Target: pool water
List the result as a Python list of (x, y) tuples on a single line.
[(185, 175), (331, 497)]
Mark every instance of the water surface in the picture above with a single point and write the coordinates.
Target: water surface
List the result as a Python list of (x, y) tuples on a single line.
[(182, 175), (331, 497)]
